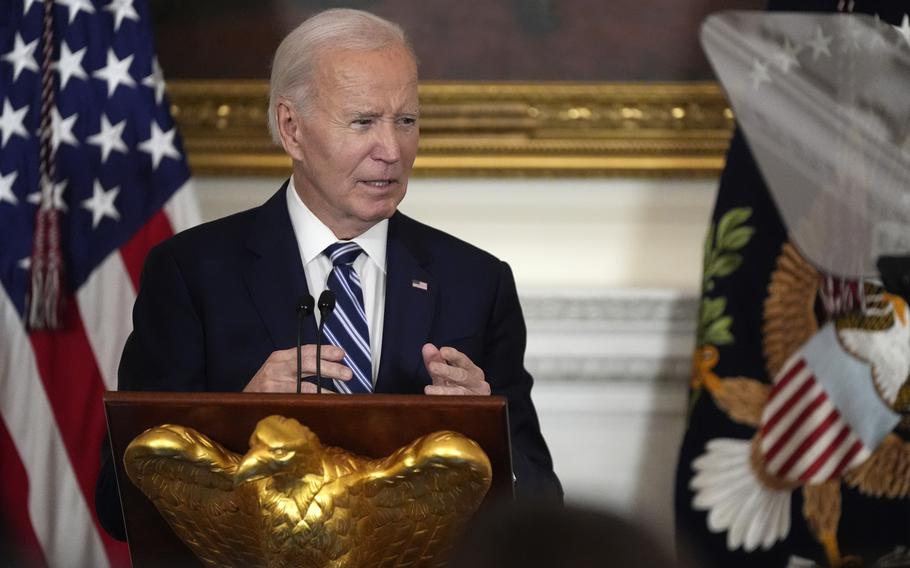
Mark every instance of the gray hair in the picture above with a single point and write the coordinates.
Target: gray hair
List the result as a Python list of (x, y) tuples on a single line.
[(296, 57)]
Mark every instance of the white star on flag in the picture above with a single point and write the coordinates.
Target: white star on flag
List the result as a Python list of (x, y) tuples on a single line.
[(109, 138), (6, 188), (786, 58), (22, 56), (25, 263), (69, 65), (904, 28), (62, 129), (122, 9), (101, 204), (759, 74), (75, 6), (156, 81), (819, 44), (116, 72), (12, 121), (160, 144), (50, 195)]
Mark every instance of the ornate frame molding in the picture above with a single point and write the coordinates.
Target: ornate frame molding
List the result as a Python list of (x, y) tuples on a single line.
[(491, 129)]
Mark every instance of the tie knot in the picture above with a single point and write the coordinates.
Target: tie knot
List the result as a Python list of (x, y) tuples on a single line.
[(342, 253)]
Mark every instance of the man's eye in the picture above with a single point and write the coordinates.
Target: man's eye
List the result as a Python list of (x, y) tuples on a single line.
[(408, 121), (363, 121)]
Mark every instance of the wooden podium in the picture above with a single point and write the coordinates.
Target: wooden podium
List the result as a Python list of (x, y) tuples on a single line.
[(369, 425)]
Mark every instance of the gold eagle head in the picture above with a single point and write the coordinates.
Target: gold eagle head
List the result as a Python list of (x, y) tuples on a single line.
[(280, 446)]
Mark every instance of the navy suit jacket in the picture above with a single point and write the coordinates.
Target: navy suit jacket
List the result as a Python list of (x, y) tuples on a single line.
[(216, 300)]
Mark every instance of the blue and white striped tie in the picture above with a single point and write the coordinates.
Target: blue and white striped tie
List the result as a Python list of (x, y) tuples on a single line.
[(347, 326)]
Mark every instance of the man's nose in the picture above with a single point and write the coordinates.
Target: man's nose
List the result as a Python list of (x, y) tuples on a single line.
[(388, 146)]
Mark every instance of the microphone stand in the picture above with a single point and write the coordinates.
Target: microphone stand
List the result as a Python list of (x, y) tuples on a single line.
[(304, 309), (326, 304)]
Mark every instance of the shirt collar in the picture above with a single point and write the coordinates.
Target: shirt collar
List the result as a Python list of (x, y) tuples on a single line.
[(313, 236)]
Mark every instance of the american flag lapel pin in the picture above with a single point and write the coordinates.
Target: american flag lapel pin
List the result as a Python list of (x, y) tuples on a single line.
[(419, 284)]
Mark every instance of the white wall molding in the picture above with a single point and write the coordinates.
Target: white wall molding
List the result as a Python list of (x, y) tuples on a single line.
[(642, 336), (613, 310), (609, 369)]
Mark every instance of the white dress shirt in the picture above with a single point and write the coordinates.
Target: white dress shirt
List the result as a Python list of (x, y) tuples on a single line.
[(313, 237)]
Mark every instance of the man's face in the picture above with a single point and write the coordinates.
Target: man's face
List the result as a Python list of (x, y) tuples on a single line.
[(354, 146)]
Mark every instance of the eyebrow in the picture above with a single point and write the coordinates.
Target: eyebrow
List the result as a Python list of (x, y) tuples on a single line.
[(377, 114)]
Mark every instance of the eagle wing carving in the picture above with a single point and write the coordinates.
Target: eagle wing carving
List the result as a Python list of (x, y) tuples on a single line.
[(190, 479), (411, 505), (290, 501)]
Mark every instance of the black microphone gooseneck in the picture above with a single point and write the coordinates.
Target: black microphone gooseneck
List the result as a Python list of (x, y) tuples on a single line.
[(304, 309), (326, 304)]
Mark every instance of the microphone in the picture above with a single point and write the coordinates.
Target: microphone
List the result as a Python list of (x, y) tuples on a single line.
[(326, 304), (304, 309)]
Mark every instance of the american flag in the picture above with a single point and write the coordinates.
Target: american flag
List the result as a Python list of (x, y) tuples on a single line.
[(122, 184)]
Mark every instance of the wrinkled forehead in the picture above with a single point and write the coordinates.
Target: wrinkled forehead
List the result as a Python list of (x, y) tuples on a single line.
[(389, 70)]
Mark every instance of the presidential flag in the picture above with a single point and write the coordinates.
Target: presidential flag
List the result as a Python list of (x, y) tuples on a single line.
[(798, 437), (92, 174)]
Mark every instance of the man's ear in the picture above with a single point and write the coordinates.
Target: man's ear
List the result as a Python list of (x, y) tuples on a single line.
[(288, 121)]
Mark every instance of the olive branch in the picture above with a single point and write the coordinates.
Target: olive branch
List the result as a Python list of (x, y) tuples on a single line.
[(721, 259)]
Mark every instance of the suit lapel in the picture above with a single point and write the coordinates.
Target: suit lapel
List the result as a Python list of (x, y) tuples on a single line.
[(274, 273), (410, 305)]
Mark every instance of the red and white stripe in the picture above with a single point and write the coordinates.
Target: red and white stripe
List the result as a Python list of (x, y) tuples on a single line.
[(803, 436), (51, 414)]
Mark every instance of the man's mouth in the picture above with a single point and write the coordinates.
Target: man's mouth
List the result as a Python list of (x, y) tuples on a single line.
[(379, 183)]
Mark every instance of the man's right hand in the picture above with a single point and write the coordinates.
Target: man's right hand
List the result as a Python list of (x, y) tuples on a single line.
[(277, 374)]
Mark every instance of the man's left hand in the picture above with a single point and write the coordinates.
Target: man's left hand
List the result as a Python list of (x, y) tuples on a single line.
[(453, 372)]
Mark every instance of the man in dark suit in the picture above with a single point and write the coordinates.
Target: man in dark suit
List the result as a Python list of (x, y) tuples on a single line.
[(419, 311)]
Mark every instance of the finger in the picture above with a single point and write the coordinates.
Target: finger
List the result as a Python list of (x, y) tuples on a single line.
[(280, 374), (478, 389), (328, 369), (327, 353), (435, 364), (455, 357), (435, 390), (430, 354), (336, 371), (445, 374)]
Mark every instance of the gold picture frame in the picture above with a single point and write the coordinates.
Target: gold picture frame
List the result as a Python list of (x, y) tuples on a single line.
[(491, 129)]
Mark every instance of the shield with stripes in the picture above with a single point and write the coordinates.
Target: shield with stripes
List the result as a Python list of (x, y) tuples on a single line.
[(823, 416)]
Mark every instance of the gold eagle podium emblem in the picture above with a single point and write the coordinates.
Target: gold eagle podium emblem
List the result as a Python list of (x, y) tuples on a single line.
[(290, 501)]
